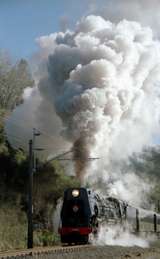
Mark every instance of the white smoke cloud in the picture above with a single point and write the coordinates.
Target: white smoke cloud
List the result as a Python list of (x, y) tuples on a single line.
[(35, 113), (103, 82), (115, 235), (56, 215), (144, 11)]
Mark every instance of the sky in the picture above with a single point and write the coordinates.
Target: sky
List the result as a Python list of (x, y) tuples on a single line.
[(21, 22)]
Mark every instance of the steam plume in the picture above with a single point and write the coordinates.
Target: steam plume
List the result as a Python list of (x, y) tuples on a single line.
[(80, 155), (115, 235), (103, 80), (145, 11)]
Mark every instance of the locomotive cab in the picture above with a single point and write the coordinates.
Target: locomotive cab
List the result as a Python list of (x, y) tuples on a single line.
[(75, 216)]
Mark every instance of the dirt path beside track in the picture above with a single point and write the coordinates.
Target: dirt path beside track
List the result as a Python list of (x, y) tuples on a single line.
[(113, 252)]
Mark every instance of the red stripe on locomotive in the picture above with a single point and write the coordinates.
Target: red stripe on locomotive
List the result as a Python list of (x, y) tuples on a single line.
[(79, 230)]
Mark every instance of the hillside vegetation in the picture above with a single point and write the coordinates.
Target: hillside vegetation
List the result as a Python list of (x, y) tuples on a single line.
[(49, 180)]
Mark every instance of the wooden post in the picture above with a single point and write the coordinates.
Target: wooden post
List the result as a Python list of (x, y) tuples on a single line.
[(125, 212), (137, 221), (155, 222), (158, 206)]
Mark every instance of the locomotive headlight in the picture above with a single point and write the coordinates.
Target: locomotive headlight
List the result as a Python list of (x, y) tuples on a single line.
[(75, 193)]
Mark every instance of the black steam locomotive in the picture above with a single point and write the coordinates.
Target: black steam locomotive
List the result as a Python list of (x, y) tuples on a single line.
[(82, 212)]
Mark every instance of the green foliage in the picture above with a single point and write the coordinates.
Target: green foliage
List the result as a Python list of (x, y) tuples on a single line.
[(5, 61), (45, 237), (50, 182), (14, 168), (13, 80), (147, 165), (155, 196), (3, 146)]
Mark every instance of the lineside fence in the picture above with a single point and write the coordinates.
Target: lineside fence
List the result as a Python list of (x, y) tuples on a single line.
[(148, 224)]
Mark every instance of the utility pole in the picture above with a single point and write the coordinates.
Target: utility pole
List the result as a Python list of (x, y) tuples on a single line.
[(30, 197), (35, 134), (30, 186)]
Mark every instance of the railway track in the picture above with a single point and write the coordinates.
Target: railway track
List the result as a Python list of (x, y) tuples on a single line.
[(85, 251), (40, 251)]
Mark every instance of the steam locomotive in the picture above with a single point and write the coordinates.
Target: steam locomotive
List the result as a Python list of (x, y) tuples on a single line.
[(82, 212)]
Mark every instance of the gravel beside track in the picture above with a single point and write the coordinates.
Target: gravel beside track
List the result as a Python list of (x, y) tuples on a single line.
[(85, 252)]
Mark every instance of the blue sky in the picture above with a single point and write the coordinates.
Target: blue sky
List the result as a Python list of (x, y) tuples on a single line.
[(21, 21)]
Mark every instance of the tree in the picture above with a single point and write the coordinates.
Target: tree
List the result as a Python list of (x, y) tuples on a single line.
[(13, 80), (50, 181), (147, 165)]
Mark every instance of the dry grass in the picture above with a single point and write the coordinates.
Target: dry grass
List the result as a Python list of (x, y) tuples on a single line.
[(13, 226), (13, 230)]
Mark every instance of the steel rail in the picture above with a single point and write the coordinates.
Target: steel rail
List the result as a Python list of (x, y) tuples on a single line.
[(42, 250)]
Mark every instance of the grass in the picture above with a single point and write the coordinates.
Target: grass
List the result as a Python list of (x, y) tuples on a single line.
[(13, 226), (45, 238), (13, 230)]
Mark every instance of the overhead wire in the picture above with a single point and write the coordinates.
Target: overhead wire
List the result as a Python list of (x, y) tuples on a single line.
[(43, 133), (18, 144)]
